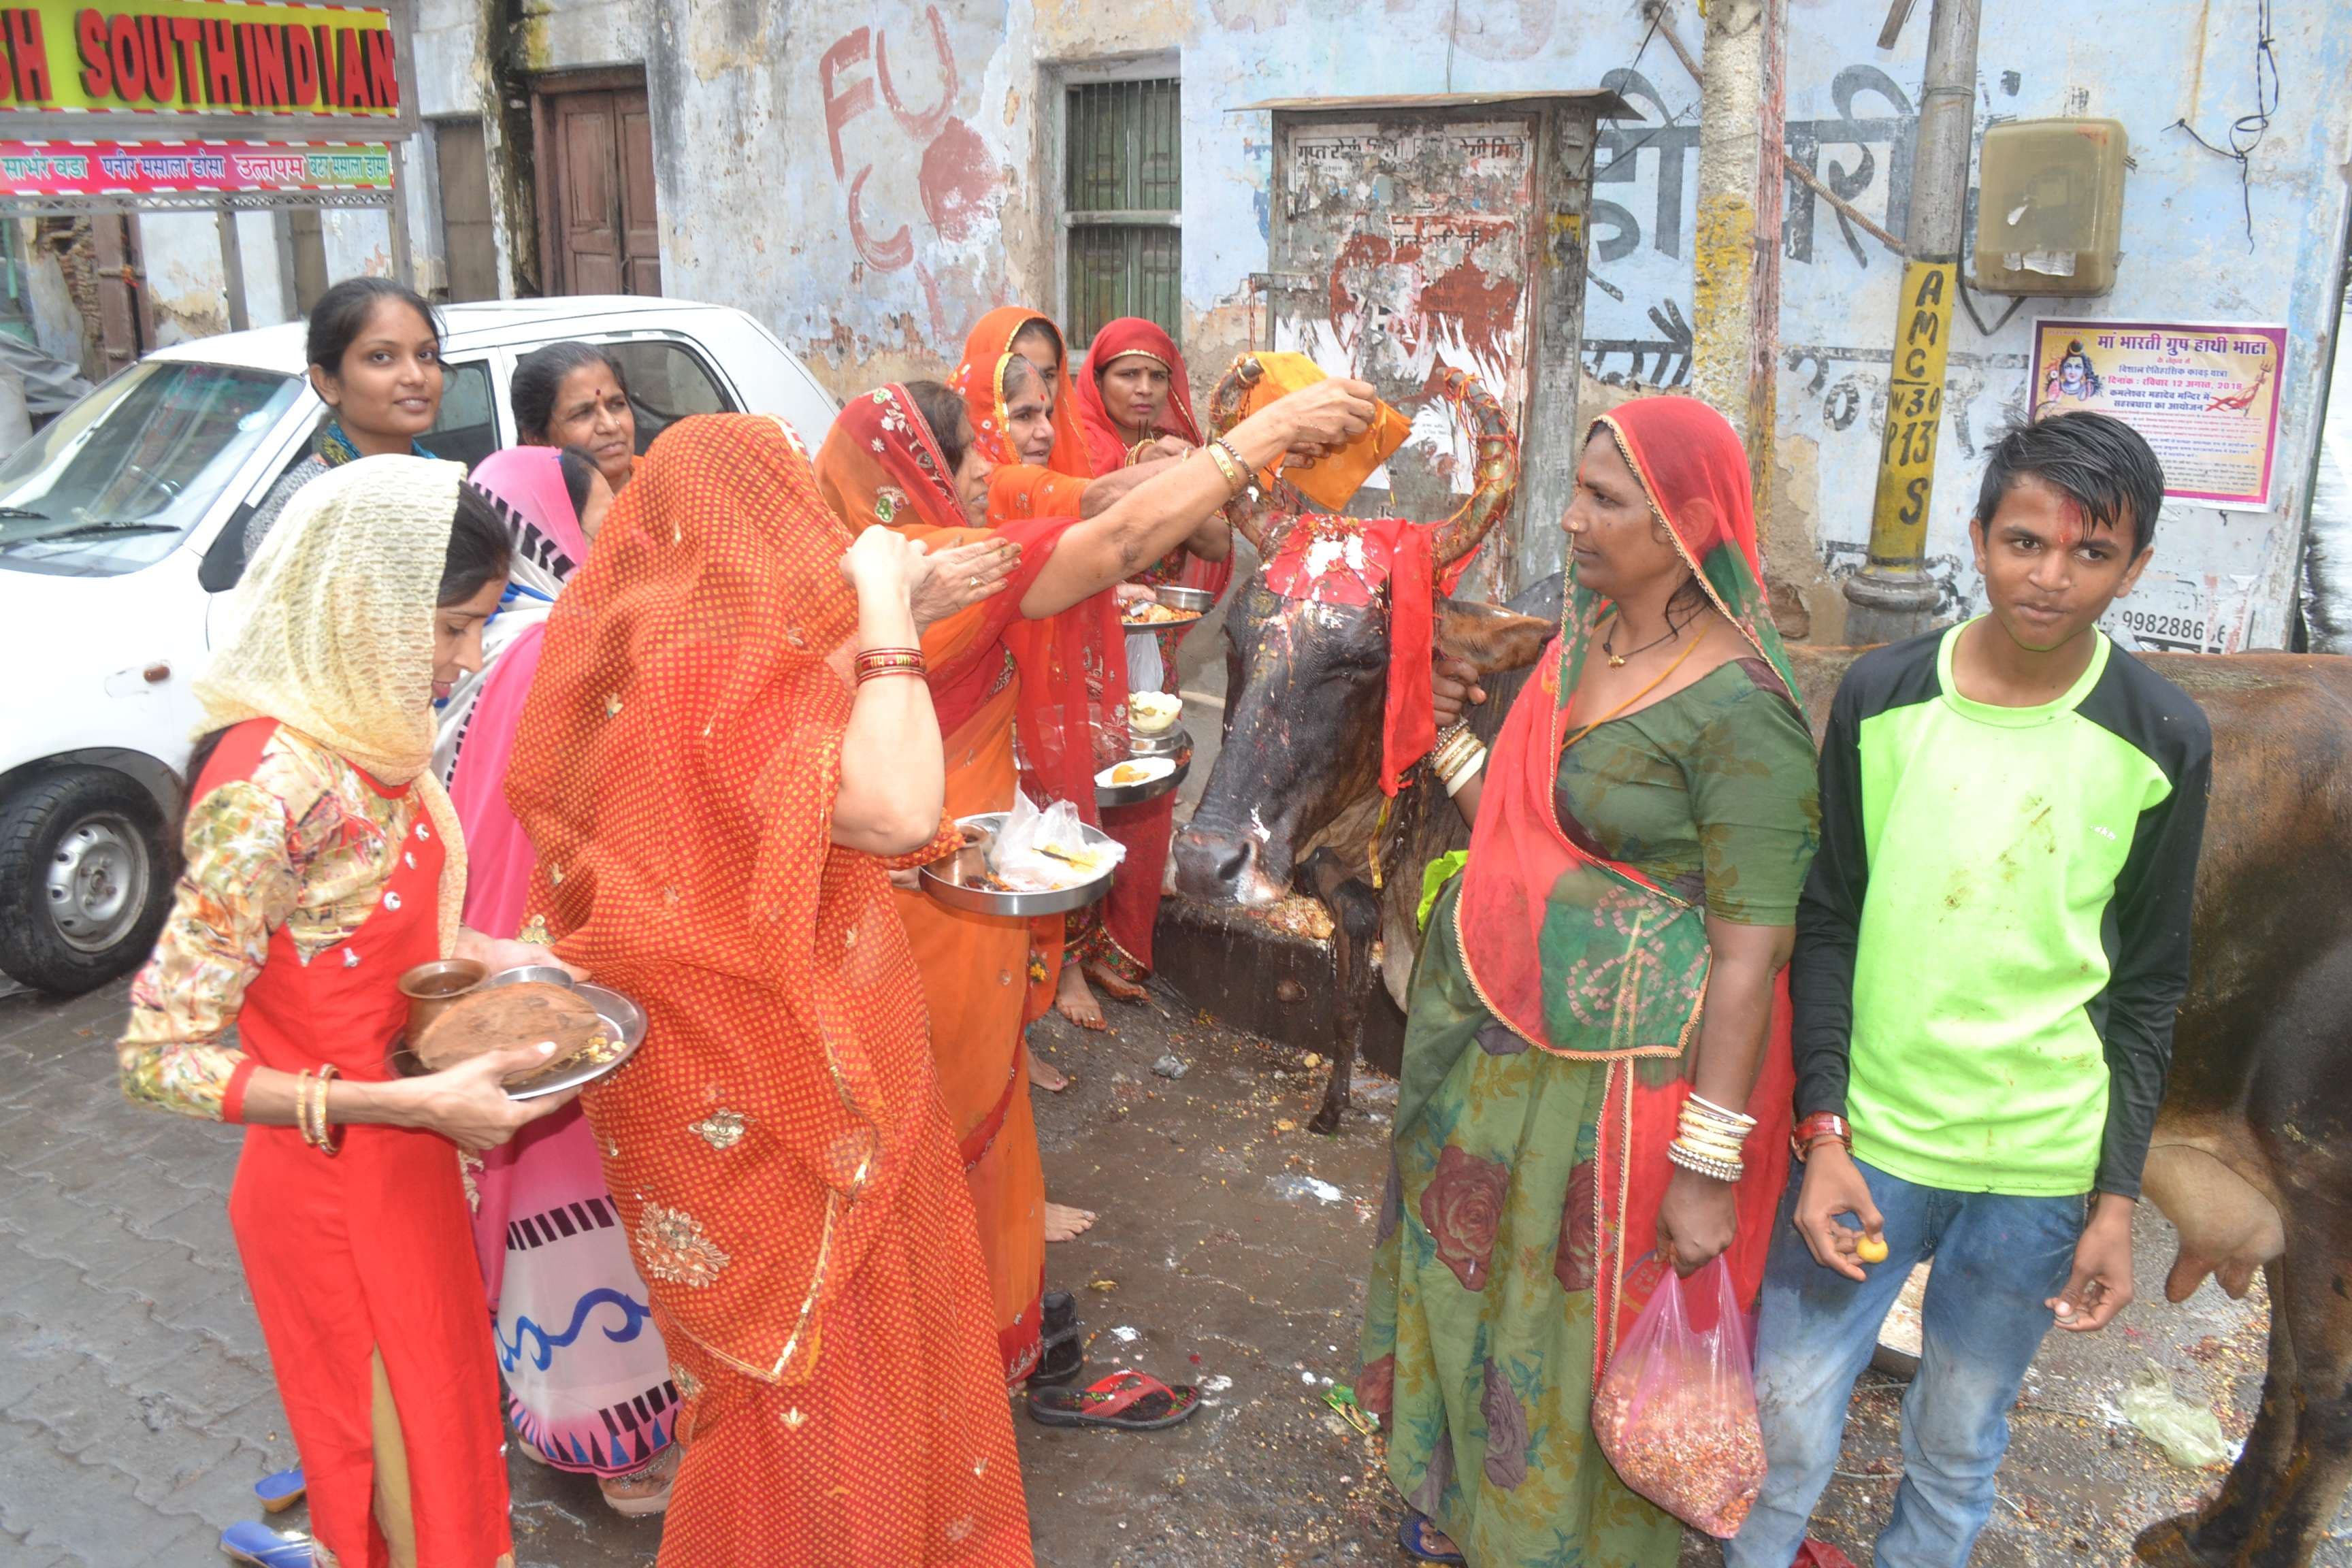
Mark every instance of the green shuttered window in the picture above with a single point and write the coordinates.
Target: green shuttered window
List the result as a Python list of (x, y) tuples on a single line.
[(1122, 204)]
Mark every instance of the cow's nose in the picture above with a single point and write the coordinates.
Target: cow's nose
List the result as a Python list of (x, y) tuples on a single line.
[(1209, 863)]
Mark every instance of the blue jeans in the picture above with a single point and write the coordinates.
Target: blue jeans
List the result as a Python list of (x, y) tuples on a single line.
[(1997, 1260)]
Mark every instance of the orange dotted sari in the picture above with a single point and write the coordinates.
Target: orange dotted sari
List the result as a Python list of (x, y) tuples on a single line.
[(778, 1150), (995, 677)]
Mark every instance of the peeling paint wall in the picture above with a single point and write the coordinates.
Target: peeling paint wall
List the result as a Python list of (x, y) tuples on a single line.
[(866, 176)]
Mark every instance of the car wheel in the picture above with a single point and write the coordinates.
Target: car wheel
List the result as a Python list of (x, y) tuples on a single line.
[(85, 878)]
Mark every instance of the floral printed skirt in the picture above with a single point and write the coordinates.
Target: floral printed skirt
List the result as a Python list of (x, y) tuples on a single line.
[(1478, 1330)]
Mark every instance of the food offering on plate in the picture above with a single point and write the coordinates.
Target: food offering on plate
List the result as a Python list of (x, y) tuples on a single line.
[(1153, 712), (1135, 771), (1168, 606), (501, 1018), (1025, 862)]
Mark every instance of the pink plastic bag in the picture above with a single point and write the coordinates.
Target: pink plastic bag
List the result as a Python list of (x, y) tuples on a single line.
[(1676, 1412)]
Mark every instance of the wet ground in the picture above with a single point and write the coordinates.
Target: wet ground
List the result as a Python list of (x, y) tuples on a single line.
[(136, 1405)]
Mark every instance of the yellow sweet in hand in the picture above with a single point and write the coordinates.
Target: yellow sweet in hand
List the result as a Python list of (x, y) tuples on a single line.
[(1871, 1249)]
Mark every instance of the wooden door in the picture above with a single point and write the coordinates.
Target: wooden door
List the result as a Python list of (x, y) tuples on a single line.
[(640, 233), (598, 225), (466, 236), (125, 328)]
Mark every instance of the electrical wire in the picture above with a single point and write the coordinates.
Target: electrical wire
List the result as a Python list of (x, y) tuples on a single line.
[(2246, 131), (1968, 303)]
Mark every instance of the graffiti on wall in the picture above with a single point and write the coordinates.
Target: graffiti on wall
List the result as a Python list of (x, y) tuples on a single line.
[(1642, 170), (871, 124)]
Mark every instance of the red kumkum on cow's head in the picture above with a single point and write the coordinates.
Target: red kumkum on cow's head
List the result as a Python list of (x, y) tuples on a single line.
[(1327, 668)]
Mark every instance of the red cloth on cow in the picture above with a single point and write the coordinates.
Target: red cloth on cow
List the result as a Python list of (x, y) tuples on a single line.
[(1350, 561)]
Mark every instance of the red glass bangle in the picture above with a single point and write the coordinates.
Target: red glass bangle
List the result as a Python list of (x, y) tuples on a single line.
[(881, 661)]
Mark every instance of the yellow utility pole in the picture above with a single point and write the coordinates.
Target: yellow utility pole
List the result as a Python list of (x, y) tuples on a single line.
[(1892, 596)]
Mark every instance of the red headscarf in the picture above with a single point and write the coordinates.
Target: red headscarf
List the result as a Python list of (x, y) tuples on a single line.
[(1132, 335), (883, 463)]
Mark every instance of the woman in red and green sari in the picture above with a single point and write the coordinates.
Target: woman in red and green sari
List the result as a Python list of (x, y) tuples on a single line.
[(1613, 945)]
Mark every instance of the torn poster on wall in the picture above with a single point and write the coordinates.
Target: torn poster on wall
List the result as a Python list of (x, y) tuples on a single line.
[(2204, 395), (1419, 231)]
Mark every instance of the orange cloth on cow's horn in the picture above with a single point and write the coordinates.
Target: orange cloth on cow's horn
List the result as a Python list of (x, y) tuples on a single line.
[(1335, 478), (991, 673), (777, 1149)]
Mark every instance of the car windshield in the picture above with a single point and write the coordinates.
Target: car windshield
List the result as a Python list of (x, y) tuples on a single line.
[(115, 482)]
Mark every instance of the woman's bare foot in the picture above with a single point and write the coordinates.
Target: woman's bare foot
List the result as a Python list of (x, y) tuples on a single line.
[(1046, 1075), (644, 1492), (1121, 987), (1074, 1002), (1064, 1223)]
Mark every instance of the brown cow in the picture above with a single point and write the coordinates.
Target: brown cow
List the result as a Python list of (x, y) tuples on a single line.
[(2253, 1154)]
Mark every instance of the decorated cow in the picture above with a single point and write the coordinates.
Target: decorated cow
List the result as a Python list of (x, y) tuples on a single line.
[(2252, 1153)]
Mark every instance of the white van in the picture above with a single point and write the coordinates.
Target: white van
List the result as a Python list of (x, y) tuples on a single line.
[(120, 530)]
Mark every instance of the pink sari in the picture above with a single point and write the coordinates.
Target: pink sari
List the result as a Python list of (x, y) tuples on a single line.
[(587, 1375)]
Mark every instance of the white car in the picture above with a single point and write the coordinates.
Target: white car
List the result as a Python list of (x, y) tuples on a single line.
[(120, 525)]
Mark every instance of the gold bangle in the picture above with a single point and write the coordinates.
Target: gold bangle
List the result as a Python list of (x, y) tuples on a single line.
[(1455, 767), (1470, 768), (1709, 1107), (325, 1139), (890, 661), (1700, 1132), (1463, 751), (1694, 1127), (1703, 1164), (1713, 1151), (310, 1106), (1233, 476)]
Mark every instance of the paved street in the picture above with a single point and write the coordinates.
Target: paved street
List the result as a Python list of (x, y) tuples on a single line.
[(139, 1411)]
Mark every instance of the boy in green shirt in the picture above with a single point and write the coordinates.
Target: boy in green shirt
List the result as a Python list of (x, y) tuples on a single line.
[(1990, 952)]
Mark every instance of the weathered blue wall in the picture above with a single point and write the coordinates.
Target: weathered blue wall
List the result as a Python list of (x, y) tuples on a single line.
[(951, 168)]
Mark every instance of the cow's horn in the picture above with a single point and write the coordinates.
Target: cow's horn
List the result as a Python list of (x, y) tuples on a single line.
[(1249, 512), (1496, 475)]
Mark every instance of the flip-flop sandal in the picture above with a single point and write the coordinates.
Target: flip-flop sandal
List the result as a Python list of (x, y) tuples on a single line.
[(1413, 1535), (1062, 1360), (281, 1491), (1126, 1400), (1059, 1317), (1819, 1554), (248, 1540)]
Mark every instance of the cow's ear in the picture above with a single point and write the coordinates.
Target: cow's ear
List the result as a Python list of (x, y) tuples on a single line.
[(1490, 636)]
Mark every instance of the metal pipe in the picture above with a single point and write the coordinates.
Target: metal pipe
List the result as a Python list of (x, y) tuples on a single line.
[(1893, 596)]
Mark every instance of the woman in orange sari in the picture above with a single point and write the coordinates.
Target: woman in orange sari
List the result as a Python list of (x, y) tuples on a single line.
[(715, 806), (1014, 382), (1135, 404), (1018, 666), (1022, 412)]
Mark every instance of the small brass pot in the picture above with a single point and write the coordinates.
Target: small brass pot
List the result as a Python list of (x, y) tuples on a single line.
[(432, 987)]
